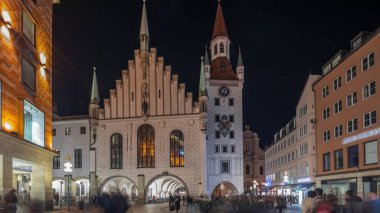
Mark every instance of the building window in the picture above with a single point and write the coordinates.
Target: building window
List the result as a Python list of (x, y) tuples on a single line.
[(261, 170), (116, 151), (177, 150), (217, 118), (232, 148), (338, 131), (145, 146), (303, 111), (215, 49), (231, 102), (54, 132), (370, 152), (231, 118), (339, 159), (28, 74), (369, 119), (216, 148), (353, 156), (82, 130), (325, 91), (225, 166), (351, 73), (303, 131), (217, 134), (338, 107), (232, 134), (224, 149), (326, 136), (337, 83), (77, 158), (28, 27), (326, 113), (352, 99), (368, 61), (326, 162), (352, 125), (217, 102), (57, 162), (68, 131), (247, 172), (369, 90), (221, 48), (34, 124)]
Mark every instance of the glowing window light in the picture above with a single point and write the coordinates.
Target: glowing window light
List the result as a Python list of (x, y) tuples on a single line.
[(5, 32), (8, 126), (6, 18)]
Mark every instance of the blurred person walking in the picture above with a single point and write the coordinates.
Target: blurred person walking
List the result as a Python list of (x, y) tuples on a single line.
[(354, 203), (309, 203), (373, 203)]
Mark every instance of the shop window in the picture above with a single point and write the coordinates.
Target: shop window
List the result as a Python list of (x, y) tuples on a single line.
[(370, 152), (34, 124)]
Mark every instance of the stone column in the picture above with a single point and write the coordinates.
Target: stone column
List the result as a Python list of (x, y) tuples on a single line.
[(360, 187), (203, 175), (37, 190), (93, 184), (7, 171), (141, 189)]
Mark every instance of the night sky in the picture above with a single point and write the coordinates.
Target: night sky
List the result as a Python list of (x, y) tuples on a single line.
[(281, 42)]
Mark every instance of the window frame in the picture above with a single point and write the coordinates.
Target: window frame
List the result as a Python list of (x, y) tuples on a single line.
[(325, 163), (144, 139), (367, 57), (231, 102), (370, 119), (349, 157), (28, 14), (78, 158), (326, 136), (337, 83), (353, 98), (81, 130), (353, 125), (34, 89), (365, 153), (232, 149), (216, 101), (228, 166), (338, 167), (369, 94), (338, 107), (349, 73), (340, 131), (176, 146), (116, 151), (217, 148), (57, 162)]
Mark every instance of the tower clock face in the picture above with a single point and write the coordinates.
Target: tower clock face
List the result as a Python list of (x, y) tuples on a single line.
[(224, 91)]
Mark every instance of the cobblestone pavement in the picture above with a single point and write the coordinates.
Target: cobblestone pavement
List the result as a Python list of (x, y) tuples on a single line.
[(157, 208)]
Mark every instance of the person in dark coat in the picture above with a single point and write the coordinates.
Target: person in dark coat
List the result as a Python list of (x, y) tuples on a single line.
[(281, 203), (354, 203), (177, 202), (171, 202)]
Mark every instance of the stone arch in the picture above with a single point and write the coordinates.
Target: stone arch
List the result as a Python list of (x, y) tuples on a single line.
[(224, 188), (165, 183), (119, 183)]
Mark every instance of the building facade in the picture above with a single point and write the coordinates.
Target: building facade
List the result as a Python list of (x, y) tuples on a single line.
[(347, 130), (26, 99), (292, 159), (71, 137), (254, 163)]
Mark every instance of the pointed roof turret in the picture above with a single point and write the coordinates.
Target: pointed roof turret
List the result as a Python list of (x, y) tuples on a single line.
[(207, 60), (202, 82), (220, 28), (94, 90), (144, 30), (240, 60)]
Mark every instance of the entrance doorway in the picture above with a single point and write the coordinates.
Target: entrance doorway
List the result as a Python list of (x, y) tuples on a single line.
[(160, 187), (120, 184), (224, 189)]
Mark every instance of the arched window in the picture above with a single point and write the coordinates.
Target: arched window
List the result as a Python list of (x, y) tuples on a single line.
[(116, 151), (145, 146), (261, 170), (221, 48), (177, 151), (215, 49), (247, 169)]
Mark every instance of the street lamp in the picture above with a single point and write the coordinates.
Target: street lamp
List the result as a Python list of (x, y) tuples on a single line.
[(68, 168)]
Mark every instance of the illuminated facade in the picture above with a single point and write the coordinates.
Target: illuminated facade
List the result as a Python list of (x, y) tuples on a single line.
[(347, 128), (26, 98)]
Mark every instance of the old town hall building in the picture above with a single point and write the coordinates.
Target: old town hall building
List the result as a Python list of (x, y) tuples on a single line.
[(151, 137)]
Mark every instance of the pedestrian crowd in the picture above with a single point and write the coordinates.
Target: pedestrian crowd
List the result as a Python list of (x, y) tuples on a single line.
[(115, 202), (318, 202)]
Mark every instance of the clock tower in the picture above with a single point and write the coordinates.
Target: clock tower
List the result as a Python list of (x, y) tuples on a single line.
[(225, 115)]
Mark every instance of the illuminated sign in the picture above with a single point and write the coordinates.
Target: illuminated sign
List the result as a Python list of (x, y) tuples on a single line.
[(304, 180), (23, 168), (361, 136)]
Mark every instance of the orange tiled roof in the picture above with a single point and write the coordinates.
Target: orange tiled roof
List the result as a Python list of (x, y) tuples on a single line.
[(220, 28)]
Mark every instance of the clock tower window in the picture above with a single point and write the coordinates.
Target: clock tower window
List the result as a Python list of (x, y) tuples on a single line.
[(231, 102), (221, 47)]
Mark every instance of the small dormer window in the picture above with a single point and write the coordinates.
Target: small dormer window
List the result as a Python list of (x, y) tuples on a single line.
[(215, 49), (221, 48)]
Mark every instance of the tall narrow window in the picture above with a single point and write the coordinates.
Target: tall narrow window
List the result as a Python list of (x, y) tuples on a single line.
[(145, 146), (221, 48), (28, 74), (353, 156), (57, 162), (326, 162), (34, 124), (215, 49), (261, 170), (247, 172), (116, 151), (339, 159), (28, 27), (177, 151), (82, 130), (78, 158)]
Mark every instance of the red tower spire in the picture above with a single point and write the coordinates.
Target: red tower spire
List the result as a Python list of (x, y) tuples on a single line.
[(220, 28)]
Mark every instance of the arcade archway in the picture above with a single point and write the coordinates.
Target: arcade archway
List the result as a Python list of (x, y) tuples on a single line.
[(119, 184), (224, 189), (159, 188)]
